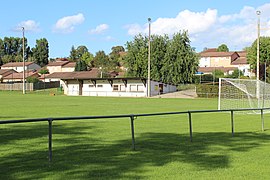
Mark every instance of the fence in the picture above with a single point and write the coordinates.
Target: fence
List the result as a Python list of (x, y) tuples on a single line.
[(28, 86), (132, 118)]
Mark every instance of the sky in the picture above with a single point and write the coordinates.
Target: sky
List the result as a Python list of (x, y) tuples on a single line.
[(102, 24)]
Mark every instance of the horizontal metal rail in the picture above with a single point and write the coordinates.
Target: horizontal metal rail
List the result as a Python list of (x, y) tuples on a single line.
[(132, 118)]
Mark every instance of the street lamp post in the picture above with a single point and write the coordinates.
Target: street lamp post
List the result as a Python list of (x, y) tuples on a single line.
[(23, 62), (258, 57), (149, 62)]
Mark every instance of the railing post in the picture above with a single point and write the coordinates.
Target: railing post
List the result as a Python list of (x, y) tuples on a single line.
[(132, 131), (50, 139), (232, 123), (190, 126), (262, 118)]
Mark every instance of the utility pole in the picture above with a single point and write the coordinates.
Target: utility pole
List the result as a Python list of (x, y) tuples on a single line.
[(258, 58), (23, 62), (149, 62)]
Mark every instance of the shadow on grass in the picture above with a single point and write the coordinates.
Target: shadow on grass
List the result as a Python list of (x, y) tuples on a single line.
[(80, 154)]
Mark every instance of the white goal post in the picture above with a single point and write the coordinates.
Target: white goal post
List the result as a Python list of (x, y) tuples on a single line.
[(243, 94)]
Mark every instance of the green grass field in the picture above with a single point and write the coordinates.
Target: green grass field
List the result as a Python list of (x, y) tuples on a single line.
[(101, 149)]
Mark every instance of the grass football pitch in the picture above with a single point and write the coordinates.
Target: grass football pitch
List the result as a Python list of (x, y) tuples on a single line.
[(102, 148)]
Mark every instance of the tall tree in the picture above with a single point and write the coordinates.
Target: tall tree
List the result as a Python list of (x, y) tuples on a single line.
[(87, 57), (73, 54), (223, 48), (115, 57), (181, 61), (158, 50), (41, 52), (81, 50), (136, 58), (264, 54), (80, 66), (172, 61)]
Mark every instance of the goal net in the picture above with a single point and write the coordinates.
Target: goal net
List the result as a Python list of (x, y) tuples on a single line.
[(243, 94)]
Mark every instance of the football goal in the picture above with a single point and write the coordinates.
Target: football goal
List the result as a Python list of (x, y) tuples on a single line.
[(243, 94)]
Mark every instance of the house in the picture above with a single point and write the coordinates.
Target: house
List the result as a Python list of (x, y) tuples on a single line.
[(18, 77), (87, 83), (61, 66), (69, 67), (225, 61), (242, 64), (6, 72), (18, 66)]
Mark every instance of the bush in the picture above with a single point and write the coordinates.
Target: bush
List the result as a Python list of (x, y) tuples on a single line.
[(207, 91), (32, 79)]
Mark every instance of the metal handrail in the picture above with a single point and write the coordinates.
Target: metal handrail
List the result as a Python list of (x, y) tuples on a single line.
[(132, 118)]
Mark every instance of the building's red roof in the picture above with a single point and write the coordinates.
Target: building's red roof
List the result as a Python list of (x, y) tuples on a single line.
[(75, 75), (20, 75), (58, 63), (16, 64), (70, 65)]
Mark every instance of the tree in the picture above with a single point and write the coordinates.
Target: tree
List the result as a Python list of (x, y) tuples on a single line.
[(73, 54), (87, 57), (172, 61), (159, 45), (264, 53), (136, 58), (80, 66), (236, 74), (223, 48), (41, 52), (181, 61), (115, 57), (80, 51)]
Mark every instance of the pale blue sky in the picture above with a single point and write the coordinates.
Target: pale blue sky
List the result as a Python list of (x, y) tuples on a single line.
[(101, 24)]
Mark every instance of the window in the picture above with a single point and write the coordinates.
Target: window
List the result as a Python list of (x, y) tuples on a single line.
[(115, 87), (100, 86), (91, 86), (133, 87), (122, 88)]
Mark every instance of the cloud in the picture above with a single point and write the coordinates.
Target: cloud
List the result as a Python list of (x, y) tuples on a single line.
[(28, 25), (208, 29), (194, 22), (99, 29), (67, 24)]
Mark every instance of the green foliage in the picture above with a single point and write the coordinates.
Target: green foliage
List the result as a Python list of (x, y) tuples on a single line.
[(264, 53), (115, 57), (11, 50), (77, 54), (217, 74), (80, 66), (43, 71), (32, 79), (41, 52), (87, 57), (207, 91), (172, 61), (223, 48), (137, 55), (73, 54), (236, 74)]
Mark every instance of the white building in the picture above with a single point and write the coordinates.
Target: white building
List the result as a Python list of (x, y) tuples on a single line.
[(18, 66), (86, 83), (120, 87)]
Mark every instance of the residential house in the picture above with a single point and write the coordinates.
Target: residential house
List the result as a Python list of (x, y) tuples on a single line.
[(18, 77), (86, 83), (61, 66), (227, 62), (6, 72), (18, 66)]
